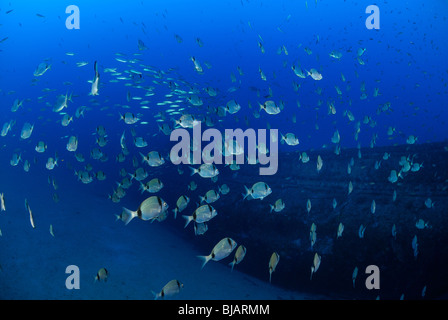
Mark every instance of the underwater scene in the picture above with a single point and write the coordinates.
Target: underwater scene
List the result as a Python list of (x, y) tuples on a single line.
[(223, 150)]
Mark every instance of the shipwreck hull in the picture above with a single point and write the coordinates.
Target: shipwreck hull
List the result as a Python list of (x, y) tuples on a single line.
[(250, 222)]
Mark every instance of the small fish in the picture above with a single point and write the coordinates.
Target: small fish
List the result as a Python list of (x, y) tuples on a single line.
[(152, 186), (320, 163), (308, 205), (41, 147), (41, 69), (171, 288), (210, 197), (149, 209), (220, 251), (361, 231), (373, 207), (354, 275), (95, 83), (415, 246), (153, 159), (421, 224), (27, 206), (239, 256), (51, 230), (278, 206), (206, 170), (290, 139), (273, 261), (429, 204), (200, 228), (315, 74), (340, 230), (316, 264), (259, 190), (270, 107), (181, 204), (224, 189), (2, 202), (102, 275), (202, 214)]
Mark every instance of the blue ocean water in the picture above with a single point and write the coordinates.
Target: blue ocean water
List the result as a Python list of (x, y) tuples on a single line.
[(395, 88)]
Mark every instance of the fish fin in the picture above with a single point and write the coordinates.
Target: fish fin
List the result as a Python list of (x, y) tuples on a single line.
[(175, 212), (156, 295), (193, 171), (204, 259), (232, 264), (189, 219), (129, 215), (247, 193)]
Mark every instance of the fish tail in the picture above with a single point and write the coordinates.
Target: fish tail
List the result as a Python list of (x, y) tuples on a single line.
[(232, 264), (175, 212), (193, 171), (188, 220), (142, 187), (129, 215), (204, 259), (272, 207), (270, 276), (156, 295), (201, 199), (247, 193)]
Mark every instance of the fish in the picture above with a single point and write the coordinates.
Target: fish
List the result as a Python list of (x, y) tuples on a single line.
[(95, 82), (273, 262), (129, 118), (27, 206), (101, 275), (270, 107), (429, 203), (319, 164), (340, 230), (153, 158), (41, 69), (415, 246), (232, 107), (239, 256), (316, 264), (51, 230), (259, 190), (354, 275), (149, 209), (172, 288), (2, 202), (313, 73), (206, 170), (197, 65), (27, 130), (278, 206), (210, 197), (41, 147), (181, 204), (290, 139), (220, 251), (72, 144), (152, 186), (200, 228), (202, 214)]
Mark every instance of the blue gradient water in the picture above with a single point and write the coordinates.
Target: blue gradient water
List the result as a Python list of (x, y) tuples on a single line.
[(405, 59)]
